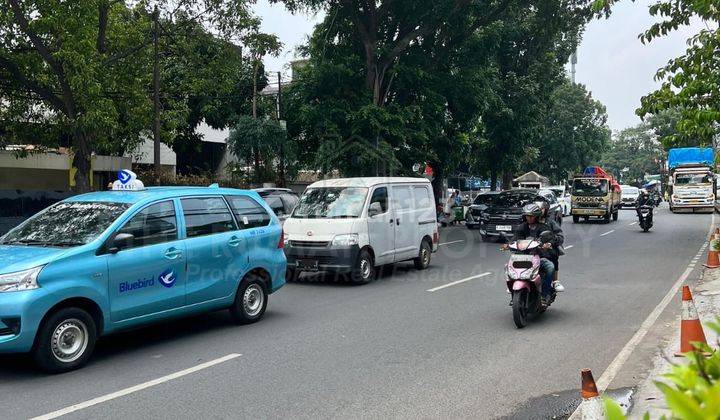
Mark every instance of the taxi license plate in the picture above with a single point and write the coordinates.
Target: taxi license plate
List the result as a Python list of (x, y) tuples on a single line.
[(503, 228), (307, 265)]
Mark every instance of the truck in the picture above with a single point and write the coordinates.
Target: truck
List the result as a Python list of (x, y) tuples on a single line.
[(692, 182), (595, 193)]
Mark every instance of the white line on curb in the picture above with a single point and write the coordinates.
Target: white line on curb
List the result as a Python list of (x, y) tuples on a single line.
[(435, 289), (133, 389), (608, 232), (617, 363), (452, 242)]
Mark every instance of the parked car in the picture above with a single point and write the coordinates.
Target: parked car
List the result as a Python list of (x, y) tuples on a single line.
[(282, 201), (479, 205), (628, 196), (504, 214), (354, 225), (102, 262), (562, 194)]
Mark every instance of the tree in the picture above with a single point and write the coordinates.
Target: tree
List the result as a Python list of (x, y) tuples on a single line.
[(574, 135), (690, 82), (257, 140), (78, 71), (633, 153), (260, 45), (67, 64)]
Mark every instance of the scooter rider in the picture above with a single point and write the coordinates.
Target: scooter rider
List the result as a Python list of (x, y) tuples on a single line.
[(643, 200), (555, 229), (532, 227)]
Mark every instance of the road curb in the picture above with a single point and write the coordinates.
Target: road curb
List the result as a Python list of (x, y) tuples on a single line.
[(648, 398)]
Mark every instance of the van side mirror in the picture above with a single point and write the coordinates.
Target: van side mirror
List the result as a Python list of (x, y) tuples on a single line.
[(374, 209), (120, 242)]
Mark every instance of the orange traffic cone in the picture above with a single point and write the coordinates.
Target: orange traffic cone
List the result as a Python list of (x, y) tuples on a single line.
[(591, 407), (713, 260), (690, 327)]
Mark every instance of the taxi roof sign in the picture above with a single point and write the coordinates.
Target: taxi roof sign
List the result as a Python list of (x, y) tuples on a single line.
[(127, 181)]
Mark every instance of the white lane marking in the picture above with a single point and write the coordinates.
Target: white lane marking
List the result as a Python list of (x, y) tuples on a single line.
[(435, 289), (452, 242), (622, 357), (133, 389), (608, 232), (569, 246), (633, 223)]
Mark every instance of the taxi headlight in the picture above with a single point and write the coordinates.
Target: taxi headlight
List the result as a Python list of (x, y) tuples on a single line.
[(345, 240), (21, 280)]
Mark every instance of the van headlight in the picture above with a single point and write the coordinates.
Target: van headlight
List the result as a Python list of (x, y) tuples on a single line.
[(345, 240), (21, 280)]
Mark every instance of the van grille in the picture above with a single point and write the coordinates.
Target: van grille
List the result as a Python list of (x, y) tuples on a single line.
[(309, 244)]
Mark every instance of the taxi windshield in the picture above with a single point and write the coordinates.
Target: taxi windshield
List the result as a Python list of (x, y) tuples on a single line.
[(331, 203), (65, 224)]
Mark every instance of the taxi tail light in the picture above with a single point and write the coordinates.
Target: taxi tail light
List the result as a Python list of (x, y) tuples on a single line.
[(281, 243)]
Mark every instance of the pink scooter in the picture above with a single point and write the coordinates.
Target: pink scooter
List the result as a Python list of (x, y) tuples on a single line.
[(523, 279)]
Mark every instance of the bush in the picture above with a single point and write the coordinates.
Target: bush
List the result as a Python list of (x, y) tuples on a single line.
[(693, 391)]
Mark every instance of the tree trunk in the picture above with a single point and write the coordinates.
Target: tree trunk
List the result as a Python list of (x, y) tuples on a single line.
[(493, 179), (507, 178), (81, 161), (254, 97)]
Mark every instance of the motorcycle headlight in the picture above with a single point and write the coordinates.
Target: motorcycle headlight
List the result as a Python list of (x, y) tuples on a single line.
[(345, 240), (21, 280)]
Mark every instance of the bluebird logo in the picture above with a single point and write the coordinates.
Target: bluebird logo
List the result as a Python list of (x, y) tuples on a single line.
[(167, 278), (125, 176)]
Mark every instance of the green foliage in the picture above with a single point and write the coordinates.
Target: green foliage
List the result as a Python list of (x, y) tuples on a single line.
[(574, 135), (258, 141), (690, 82), (693, 389), (637, 150)]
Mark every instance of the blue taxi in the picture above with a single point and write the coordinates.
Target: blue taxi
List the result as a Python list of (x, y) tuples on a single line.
[(102, 262)]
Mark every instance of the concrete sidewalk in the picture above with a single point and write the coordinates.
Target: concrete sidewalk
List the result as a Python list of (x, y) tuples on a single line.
[(648, 398)]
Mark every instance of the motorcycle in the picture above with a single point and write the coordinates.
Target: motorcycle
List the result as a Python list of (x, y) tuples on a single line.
[(524, 281), (645, 217)]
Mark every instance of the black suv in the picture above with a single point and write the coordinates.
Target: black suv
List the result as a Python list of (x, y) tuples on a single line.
[(503, 215), (281, 200)]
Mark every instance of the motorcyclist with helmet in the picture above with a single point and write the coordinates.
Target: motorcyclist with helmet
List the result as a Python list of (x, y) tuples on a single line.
[(644, 200), (532, 227)]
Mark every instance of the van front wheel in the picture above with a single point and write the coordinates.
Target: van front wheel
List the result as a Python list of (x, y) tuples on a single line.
[(364, 270), (423, 259), (65, 340)]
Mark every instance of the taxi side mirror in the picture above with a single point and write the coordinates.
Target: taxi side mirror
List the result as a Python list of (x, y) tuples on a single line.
[(120, 242)]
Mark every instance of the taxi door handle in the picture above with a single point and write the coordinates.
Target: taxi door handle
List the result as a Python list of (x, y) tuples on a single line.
[(173, 254), (234, 241)]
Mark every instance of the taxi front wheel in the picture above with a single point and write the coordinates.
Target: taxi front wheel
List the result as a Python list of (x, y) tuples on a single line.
[(250, 301), (65, 340)]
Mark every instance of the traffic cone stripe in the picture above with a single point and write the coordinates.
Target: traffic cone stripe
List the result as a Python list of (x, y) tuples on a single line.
[(691, 330), (591, 407)]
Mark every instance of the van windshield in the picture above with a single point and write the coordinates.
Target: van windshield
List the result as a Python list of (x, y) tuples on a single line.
[(331, 203), (65, 224)]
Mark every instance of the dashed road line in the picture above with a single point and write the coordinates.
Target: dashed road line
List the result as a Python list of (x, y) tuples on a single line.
[(136, 388), (608, 232), (633, 223), (451, 242), (569, 246), (435, 289)]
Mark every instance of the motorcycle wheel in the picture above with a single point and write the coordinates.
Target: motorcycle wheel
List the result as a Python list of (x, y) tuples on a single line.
[(520, 310)]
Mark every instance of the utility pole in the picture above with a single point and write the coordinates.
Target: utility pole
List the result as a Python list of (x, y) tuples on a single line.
[(156, 95), (281, 171), (573, 61)]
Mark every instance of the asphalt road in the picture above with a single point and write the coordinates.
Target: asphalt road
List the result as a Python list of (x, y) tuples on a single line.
[(391, 348)]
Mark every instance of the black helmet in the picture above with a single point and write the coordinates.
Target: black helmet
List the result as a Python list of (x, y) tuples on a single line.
[(532, 209)]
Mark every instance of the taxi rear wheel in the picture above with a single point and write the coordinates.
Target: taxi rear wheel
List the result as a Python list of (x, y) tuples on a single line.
[(250, 301), (65, 340)]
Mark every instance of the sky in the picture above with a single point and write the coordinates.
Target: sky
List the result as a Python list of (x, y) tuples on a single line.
[(612, 62)]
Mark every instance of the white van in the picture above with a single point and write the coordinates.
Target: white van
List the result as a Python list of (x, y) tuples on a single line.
[(353, 225)]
